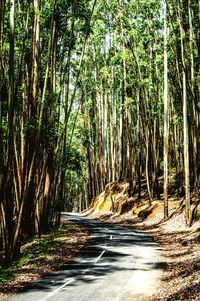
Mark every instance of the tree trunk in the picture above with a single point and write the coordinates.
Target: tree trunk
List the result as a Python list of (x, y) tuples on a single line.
[(166, 115), (185, 125)]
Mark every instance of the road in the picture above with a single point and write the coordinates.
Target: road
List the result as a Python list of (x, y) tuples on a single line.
[(120, 264)]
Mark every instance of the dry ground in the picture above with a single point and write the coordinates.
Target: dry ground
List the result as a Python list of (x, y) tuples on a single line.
[(181, 279)]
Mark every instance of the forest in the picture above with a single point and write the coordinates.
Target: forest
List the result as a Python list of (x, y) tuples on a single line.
[(94, 92)]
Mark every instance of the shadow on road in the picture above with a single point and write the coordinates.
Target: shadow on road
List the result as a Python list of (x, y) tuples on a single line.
[(108, 253)]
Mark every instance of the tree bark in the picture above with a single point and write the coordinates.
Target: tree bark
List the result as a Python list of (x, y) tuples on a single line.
[(166, 114)]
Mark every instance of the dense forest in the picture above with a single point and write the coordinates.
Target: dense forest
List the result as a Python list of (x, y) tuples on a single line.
[(93, 92)]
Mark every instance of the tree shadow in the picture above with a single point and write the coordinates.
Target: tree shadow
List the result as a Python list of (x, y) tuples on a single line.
[(107, 254)]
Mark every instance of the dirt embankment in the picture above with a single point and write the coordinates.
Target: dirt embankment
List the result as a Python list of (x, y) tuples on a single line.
[(115, 202)]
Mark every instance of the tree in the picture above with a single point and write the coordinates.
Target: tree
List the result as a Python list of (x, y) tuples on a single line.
[(166, 114), (185, 121)]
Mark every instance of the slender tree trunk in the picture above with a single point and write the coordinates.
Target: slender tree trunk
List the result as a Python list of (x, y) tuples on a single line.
[(147, 165), (1, 36), (185, 125), (166, 115), (11, 88), (186, 153), (195, 138)]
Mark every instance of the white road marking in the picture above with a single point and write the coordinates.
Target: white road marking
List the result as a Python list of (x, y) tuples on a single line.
[(111, 237), (98, 258), (70, 280), (84, 272), (58, 289)]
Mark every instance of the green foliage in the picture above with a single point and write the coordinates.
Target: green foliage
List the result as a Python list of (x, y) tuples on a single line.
[(6, 274), (73, 160), (49, 135), (131, 104), (176, 119), (31, 127), (197, 214)]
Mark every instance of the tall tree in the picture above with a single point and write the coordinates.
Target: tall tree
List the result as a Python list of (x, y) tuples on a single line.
[(166, 113), (185, 119)]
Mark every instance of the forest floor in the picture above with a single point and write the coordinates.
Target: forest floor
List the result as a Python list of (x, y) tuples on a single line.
[(42, 256), (181, 280)]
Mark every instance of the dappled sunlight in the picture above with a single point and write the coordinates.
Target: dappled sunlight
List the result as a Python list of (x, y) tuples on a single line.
[(113, 262)]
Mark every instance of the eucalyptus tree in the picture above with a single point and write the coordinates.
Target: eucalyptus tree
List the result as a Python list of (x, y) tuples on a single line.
[(185, 117), (166, 113)]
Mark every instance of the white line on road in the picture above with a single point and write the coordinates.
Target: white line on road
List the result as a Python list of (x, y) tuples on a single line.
[(111, 237), (85, 271), (58, 289), (98, 258), (70, 280)]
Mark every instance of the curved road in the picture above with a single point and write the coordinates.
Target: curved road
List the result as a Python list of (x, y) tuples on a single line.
[(120, 264)]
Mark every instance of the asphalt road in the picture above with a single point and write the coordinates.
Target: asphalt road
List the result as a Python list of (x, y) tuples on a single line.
[(119, 265)]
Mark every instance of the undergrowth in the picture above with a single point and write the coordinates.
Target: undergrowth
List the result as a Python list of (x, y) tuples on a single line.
[(38, 248)]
